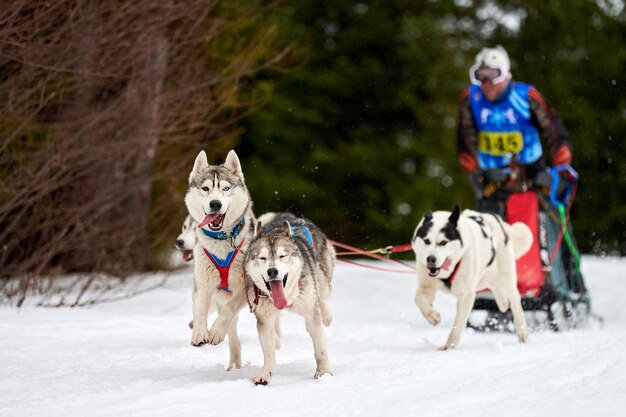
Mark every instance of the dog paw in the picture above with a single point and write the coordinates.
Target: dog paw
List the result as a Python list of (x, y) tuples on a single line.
[(199, 338), (327, 320), (234, 365), (320, 372), (447, 346), (432, 316), (215, 337), (262, 379), (522, 335)]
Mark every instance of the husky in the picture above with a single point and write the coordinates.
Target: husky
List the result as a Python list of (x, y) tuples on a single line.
[(465, 253), (186, 241), (219, 202), (289, 266)]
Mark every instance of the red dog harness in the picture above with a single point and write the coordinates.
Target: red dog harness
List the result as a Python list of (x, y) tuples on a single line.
[(223, 265)]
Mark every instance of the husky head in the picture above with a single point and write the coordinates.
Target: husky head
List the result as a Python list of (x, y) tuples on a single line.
[(187, 238), (274, 263), (437, 243), (217, 197)]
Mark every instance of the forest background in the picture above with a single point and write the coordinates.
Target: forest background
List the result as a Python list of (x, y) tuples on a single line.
[(341, 111)]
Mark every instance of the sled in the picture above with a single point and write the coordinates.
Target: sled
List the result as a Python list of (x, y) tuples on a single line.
[(554, 295)]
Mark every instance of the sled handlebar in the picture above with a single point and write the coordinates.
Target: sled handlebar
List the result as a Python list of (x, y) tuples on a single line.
[(561, 192)]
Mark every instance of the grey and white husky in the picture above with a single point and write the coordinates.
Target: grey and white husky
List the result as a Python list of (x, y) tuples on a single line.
[(289, 266), (186, 241), (464, 253), (219, 202)]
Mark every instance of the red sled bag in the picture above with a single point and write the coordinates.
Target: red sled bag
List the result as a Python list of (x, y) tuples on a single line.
[(524, 207)]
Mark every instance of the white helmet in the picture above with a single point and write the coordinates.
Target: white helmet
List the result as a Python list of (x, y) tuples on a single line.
[(493, 58)]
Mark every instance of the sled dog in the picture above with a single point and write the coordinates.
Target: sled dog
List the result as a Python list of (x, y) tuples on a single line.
[(219, 202), (464, 253), (289, 265), (187, 239)]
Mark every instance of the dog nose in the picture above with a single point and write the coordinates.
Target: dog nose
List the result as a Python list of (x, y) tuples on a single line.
[(431, 259), (180, 243), (215, 205), (272, 273)]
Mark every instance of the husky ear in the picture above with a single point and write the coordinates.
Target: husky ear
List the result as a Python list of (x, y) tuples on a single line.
[(258, 229), (428, 215), (454, 217), (233, 164), (200, 164), (286, 228)]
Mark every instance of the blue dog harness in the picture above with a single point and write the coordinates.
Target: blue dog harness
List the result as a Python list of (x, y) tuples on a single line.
[(307, 234)]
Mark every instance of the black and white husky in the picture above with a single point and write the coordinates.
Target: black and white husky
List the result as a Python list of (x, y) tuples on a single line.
[(289, 266), (465, 253), (219, 202)]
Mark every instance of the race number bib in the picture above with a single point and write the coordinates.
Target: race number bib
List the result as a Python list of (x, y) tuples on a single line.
[(500, 143)]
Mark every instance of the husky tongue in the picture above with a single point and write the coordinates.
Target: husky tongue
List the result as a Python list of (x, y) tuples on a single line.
[(446, 264), (209, 218), (278, 294)]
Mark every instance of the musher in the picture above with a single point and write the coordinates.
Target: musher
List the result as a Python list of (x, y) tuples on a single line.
[(504, 129)]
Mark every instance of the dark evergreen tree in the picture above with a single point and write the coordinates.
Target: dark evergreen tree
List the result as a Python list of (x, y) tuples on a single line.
[(360, 138)]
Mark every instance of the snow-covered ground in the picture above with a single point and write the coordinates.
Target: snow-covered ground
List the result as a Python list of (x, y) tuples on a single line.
[(134, 358)]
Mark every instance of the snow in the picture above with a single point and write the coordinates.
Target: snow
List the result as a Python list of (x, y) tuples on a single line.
[(134, 358)]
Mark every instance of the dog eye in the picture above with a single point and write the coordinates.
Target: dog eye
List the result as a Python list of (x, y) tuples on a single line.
[(263, 258), (282, 256), (205, 189), (443, 243), (226, 188), (427, 241)]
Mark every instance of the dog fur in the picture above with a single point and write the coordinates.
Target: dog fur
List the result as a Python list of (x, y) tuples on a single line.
[(486, 248), (218, 201), (290, 265)]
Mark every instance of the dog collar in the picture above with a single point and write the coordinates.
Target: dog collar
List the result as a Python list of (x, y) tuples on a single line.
[(223, 235)]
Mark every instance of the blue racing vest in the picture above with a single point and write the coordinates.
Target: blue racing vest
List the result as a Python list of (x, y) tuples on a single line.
[(504, 128)]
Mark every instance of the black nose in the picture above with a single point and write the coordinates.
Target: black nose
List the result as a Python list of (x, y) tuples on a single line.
[(272, 273), (215, 205), (431, 260), (180, 243)]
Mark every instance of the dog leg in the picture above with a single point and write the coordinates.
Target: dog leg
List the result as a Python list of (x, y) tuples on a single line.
[(277, 331), (519, 320), (515, 302), (323, 293), (234, 345), (201, 297), (266, 327), (225, 314), (424, 298), (313, 323), (502, 298), (464, 305), (327, 315)]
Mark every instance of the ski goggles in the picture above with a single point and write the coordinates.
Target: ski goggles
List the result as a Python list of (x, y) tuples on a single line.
[(479, 75)]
